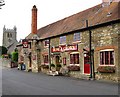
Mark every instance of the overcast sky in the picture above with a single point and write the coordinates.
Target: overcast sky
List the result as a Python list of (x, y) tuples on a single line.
[(18, 13)]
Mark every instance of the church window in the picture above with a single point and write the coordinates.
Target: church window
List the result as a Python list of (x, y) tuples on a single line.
[(8, 35)]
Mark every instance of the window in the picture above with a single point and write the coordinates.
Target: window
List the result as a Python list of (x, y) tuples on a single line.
[(8, 35), (64, 61), (62, 39), (107, 58), (46, 59), (77, 36), (46, 42), (74, 58)]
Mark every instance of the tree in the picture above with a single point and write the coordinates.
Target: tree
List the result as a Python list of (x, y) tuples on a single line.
[(2, 3), (3, 50)]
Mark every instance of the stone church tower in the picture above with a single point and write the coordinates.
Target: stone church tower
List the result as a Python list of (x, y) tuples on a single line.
[(9, 38)]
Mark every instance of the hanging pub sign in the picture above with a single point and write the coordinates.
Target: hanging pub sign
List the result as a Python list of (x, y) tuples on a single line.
[(25, 43), (64, 48)]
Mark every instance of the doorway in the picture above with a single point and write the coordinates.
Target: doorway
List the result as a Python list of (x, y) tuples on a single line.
[(57, 59), (86, 64)]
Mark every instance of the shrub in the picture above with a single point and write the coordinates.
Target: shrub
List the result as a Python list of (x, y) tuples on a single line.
[(3, 50), (58, 65), (15, 56), (73, 68), (52, 65)]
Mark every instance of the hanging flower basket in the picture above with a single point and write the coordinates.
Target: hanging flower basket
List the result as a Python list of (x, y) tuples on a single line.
[(106, 69)]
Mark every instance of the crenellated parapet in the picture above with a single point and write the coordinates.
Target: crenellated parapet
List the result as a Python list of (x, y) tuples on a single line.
[(9, 30)]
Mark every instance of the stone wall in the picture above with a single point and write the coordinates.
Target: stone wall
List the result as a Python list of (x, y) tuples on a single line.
[(106, 38), (102, 38)]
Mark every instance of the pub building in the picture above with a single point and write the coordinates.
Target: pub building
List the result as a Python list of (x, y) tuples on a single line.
[(87, 42)]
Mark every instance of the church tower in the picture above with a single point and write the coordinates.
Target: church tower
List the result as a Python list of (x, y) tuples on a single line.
[(9, 38)]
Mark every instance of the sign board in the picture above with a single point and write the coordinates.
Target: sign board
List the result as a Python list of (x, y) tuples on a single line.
[(25, 43), (64, 48)]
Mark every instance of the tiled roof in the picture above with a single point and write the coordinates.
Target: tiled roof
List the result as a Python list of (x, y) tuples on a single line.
[(95, 15)]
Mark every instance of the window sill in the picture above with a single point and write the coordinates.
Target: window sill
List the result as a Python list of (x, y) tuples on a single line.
[(74, 64), (75, 42), (63, 44), (107, 65)]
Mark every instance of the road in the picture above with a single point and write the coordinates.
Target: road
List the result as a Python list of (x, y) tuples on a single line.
[(16, 82)]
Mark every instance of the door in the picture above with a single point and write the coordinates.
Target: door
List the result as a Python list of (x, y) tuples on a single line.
[(30, 61), (86, 64), (57, 59)]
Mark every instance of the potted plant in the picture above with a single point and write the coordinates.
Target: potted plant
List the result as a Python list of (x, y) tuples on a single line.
[(58, 66), (52, 65), (106, 69)]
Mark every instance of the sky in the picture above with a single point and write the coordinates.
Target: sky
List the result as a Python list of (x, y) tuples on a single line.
[(18, 13)]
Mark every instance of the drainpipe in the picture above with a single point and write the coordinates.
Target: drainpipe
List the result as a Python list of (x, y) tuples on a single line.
[(90, 49), (93, 64), (49, 55)]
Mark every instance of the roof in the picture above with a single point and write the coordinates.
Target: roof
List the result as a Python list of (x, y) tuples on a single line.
[(95, 15)]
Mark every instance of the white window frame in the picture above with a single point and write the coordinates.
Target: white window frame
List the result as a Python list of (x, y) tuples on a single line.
[(79, 58), (63, 43), (108, 51)]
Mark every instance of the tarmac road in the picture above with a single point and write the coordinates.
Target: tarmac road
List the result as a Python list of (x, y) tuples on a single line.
[(16, 82)]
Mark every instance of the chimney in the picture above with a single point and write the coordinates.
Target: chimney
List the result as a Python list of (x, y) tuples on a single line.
[(34, 20), (108, 2)]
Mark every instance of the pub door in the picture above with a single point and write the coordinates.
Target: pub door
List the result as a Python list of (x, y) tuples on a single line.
[(86, 64), (57, 59)]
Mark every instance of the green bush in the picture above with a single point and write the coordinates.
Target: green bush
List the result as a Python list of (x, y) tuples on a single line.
[(58, 65), (3, 50), (52, 65), (15, 56)]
